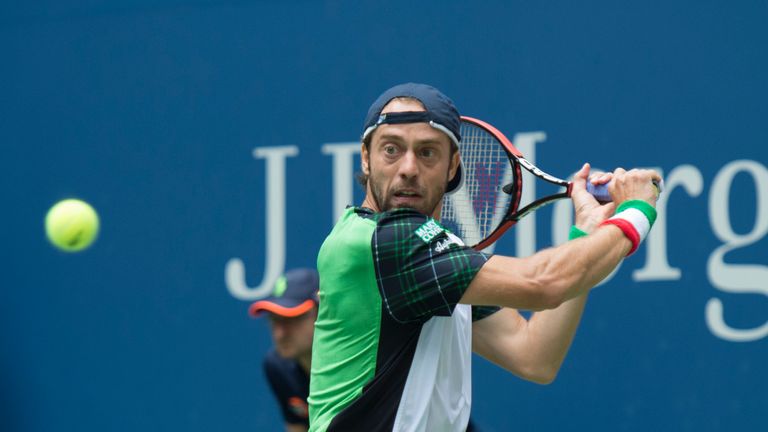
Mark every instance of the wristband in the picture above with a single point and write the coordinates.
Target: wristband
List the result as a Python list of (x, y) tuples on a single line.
[(575, 233), (634, 218), (648, 210)]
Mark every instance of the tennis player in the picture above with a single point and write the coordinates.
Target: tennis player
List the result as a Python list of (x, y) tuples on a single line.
[(403, 303)]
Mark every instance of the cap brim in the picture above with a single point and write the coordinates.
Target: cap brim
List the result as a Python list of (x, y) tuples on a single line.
[(288, 311)]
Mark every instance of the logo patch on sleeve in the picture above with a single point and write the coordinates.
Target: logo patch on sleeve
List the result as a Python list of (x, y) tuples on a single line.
[(429, 230), (449, 240)]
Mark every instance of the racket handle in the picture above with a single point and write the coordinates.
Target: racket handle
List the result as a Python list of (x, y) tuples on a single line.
[(600, 192)]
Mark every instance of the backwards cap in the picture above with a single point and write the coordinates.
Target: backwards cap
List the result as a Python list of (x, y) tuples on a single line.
[(440, 113)]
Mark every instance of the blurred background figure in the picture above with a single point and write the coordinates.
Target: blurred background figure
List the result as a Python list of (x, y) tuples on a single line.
[(291, 311)]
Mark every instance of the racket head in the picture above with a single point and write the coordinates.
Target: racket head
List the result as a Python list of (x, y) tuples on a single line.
[(479, 209)]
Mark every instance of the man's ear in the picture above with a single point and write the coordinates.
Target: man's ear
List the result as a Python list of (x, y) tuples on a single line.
[(364, 160), (454, 166)]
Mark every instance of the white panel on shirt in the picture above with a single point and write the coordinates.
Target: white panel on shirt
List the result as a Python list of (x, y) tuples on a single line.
[(438, 391)]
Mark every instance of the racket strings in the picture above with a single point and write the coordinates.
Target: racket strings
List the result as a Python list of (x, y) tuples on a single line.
[(478, 207)]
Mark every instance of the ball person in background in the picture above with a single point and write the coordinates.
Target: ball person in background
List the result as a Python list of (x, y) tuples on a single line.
[(403, 303), (291, 311)]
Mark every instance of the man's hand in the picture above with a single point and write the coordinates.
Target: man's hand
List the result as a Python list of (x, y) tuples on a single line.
[(622, 185), (589, 212), (634, 184)]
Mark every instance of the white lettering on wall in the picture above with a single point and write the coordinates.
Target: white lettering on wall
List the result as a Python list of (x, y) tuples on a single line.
[(736, 278), (234, 271), (656, 264), (343, 174)]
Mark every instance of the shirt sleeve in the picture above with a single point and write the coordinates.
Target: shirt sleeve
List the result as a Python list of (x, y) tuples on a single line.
[(422, 269)]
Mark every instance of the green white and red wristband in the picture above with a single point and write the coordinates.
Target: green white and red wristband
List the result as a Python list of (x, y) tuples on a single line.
[(635, 219)]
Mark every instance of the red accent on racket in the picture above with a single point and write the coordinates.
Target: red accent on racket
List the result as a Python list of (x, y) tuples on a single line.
[(487, 203)]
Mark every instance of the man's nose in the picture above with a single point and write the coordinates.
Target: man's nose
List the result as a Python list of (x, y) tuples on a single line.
[(409, 165)]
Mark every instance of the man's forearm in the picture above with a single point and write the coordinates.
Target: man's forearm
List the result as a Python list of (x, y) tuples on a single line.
[(550, 333), (550, 277), (577, 266)]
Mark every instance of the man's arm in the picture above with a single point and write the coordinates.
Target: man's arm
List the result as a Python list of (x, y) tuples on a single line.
[(550, 277), (557, 279), (553, 276), (532, 349)]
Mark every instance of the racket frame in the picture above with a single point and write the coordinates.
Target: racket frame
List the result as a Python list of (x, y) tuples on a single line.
[(515, 189)]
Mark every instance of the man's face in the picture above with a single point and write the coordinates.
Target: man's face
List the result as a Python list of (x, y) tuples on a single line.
[(293, 336), (408, 165)]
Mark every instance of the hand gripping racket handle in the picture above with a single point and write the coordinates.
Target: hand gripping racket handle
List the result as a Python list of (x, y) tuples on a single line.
[(600, 192)]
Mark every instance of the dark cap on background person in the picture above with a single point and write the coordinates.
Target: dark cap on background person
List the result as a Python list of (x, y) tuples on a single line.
[(295, 293), (441, 114)]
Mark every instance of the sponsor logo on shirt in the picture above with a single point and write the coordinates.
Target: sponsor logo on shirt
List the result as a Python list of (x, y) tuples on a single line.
[(429, 230), (447, 242), (443, 245)]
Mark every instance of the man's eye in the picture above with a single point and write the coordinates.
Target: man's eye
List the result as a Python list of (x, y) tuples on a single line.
[(390, 150), (428, 152)]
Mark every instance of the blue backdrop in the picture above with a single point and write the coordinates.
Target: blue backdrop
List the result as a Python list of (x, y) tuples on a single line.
[(180, 120)]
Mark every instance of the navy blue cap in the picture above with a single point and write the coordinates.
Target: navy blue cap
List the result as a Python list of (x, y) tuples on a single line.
[(440, 113), (294, 294)]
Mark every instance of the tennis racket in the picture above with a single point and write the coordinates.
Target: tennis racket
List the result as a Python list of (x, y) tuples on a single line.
[(487, 203)]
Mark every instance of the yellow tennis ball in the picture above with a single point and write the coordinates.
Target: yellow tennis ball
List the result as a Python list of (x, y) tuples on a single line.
[(71, 225)]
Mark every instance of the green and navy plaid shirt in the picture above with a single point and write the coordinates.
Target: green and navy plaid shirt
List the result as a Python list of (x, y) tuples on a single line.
[(422, 269), (383, 278)]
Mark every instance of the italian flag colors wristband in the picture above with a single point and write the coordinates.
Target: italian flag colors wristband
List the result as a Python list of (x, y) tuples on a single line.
[(635, 219)]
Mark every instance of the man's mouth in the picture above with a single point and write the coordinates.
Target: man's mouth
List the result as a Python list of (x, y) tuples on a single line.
[(407, 194)]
